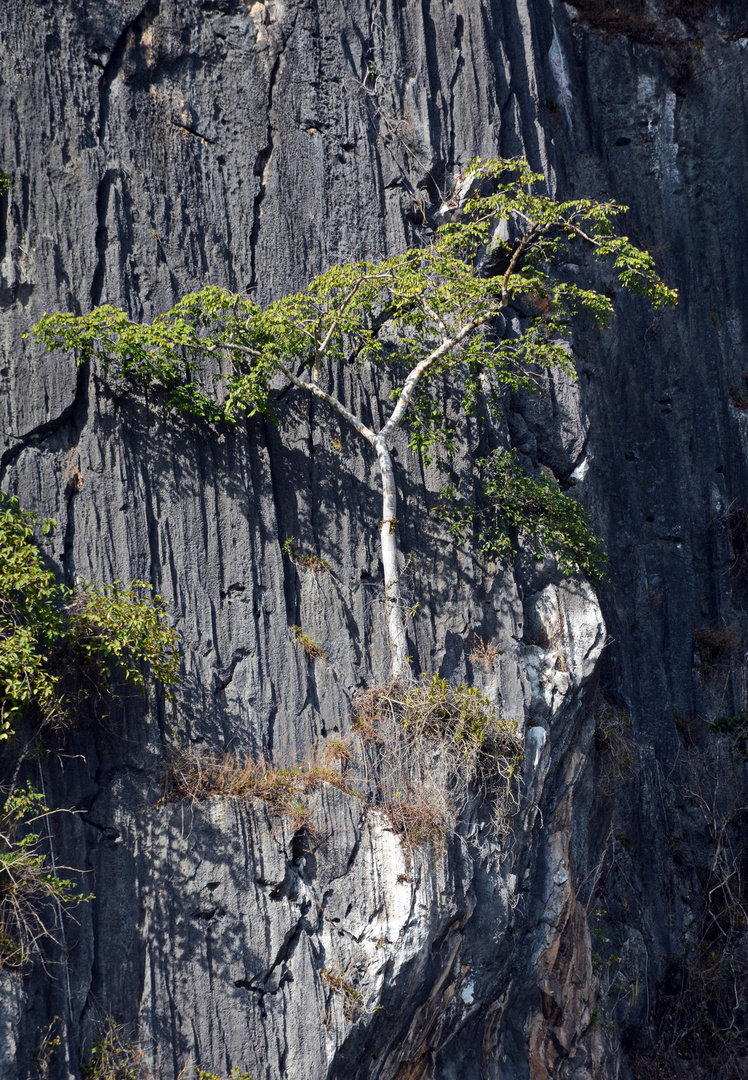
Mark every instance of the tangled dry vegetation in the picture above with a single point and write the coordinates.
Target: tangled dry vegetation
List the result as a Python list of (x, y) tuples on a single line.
[(614, 744), (700, 1022), (32, 893), (418, 753), (194, 777), (428, 746)]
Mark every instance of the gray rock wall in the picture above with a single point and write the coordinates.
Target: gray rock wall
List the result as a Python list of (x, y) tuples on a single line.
[(154, 149)]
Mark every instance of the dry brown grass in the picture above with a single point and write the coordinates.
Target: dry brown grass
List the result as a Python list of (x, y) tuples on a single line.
[(417, 753), (339, 982), (193, 777), (427, 746), (484, 652)]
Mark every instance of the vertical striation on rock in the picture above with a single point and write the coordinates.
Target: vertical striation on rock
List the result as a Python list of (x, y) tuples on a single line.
[(155, 148)]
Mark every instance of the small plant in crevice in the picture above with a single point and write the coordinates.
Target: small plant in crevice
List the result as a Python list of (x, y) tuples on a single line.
[(338, 981), (483, 652), (312, 649), (738, 397), (514, 509), (115, 1055), (29, 884), (61, 646), (46, 1049), (315, 564)]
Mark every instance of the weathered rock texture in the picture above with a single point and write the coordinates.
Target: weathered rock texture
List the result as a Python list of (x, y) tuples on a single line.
[(156, 148)]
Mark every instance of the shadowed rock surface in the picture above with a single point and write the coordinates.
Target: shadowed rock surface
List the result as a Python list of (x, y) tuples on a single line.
[(155, 149)]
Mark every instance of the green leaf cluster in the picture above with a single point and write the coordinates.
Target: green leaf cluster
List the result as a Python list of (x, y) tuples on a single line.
[(514, 507), (49, 632), (26, 883)]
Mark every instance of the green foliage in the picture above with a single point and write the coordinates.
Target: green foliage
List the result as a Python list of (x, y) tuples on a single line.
[(4, 182), (122, 627), (217, 355), (515, 506), (27, 886), (50, 633), (30, 619), (428, 318), (115, 1055)]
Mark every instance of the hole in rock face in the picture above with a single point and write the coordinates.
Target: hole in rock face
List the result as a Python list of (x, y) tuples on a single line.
[(623, 141), (212, 885), (208, 913)]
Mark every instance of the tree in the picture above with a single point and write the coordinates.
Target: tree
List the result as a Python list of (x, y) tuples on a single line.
[(424, 314)]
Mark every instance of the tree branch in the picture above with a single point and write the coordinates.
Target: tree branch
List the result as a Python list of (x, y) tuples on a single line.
[(409, 389), (332, 401)]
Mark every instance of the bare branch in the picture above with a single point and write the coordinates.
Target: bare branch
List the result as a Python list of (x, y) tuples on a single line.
[(332, 401), (409, 389)]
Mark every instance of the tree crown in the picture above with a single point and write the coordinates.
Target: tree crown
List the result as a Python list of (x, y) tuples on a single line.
[(219, 355)]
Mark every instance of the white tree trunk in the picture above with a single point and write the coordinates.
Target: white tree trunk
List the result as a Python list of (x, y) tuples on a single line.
[(401, 668)]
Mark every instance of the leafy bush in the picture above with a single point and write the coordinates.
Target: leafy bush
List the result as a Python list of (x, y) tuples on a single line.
[(514, 506), (54, 639), (27, 885)]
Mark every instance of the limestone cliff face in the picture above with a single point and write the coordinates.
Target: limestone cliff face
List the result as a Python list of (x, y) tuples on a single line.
[(156, 148)]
